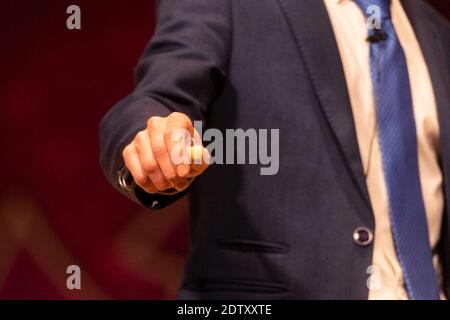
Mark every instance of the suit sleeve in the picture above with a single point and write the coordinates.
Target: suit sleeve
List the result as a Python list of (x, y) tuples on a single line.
[(182, 69)]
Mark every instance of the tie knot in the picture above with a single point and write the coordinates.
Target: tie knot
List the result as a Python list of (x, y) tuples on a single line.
[(373, 7)]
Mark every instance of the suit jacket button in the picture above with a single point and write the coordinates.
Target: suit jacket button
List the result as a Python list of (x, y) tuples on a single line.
[(155, 204), (363, 236)]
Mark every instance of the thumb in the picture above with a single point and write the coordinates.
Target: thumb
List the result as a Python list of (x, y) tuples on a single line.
[(199, 161)]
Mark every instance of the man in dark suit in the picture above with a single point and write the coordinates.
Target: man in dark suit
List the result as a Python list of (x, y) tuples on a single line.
[(357, 208)]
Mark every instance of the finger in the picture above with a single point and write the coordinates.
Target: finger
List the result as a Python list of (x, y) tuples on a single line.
[(131, 159), (148, 163), (161, 154)]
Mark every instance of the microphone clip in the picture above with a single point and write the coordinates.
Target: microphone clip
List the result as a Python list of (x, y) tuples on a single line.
[(378, 35)]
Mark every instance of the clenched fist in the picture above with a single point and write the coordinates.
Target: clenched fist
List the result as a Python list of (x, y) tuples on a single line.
[(161, 157)]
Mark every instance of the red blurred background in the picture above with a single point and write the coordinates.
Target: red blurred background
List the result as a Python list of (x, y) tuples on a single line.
[(56, 208)]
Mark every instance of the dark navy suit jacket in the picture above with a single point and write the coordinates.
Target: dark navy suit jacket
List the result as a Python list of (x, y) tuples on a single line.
[(269, 64)]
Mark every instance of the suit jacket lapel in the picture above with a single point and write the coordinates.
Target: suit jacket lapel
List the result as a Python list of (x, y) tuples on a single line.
[(312, 29)]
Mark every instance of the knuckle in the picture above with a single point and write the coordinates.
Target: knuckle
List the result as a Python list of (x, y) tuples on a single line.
[(186, 122), (126, 152), (175, 115), (152, 123), (141, 136), (181, 119)]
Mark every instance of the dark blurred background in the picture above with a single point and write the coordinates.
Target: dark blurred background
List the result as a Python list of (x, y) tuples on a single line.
[(56, 208)]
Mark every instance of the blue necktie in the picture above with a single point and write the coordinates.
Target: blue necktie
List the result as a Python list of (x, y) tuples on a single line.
[(398, 145)]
